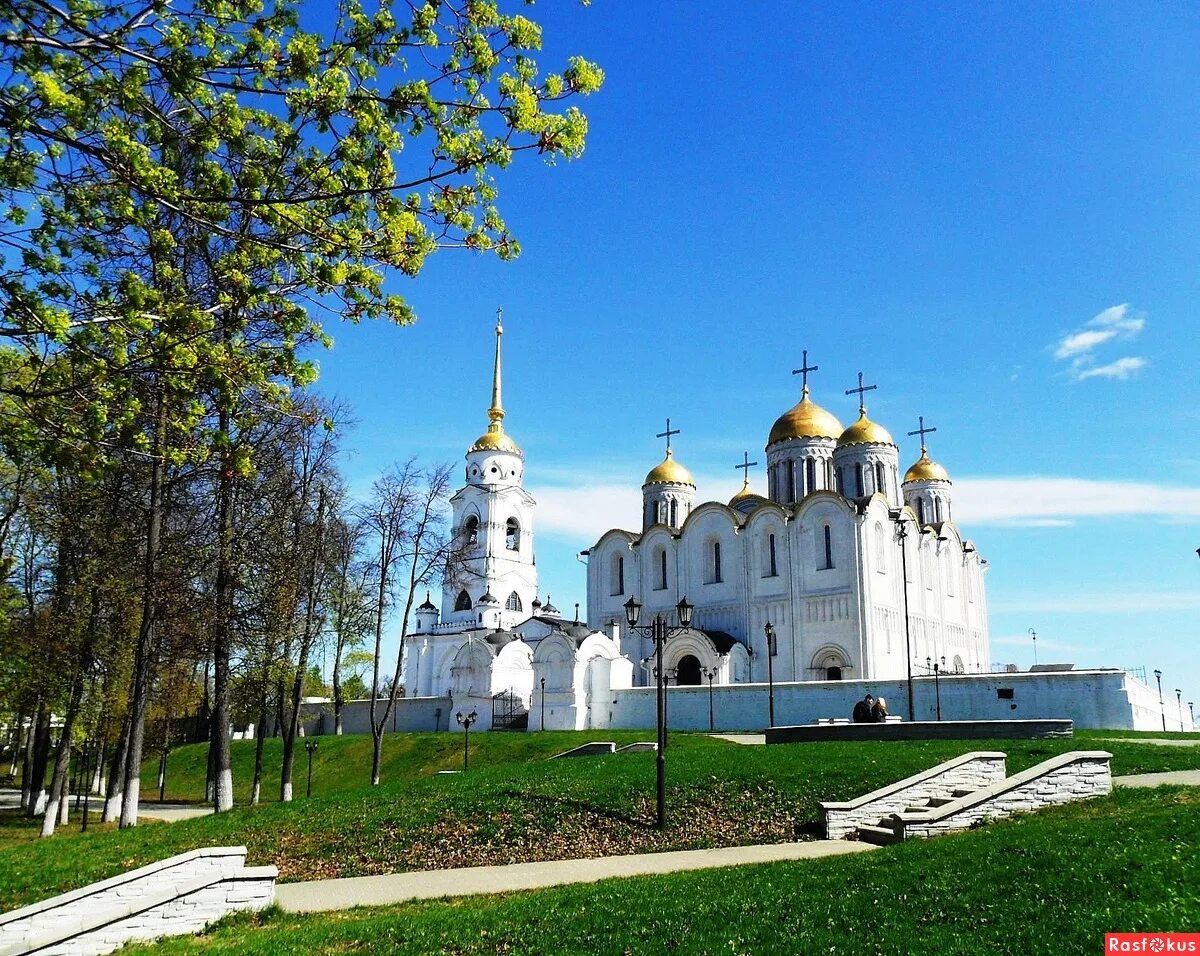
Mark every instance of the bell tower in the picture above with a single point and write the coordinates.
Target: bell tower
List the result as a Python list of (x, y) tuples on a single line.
[(494, 581)]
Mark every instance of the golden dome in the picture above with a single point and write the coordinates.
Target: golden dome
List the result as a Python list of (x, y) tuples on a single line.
[(744, 495), (669, 472), (926, 469), (495, 439), (865, 432), (806, 419)]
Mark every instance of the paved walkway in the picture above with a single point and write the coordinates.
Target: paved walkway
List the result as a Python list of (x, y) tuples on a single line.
[(1155, 741), (1184, 778), (320, 895), (752, 740)]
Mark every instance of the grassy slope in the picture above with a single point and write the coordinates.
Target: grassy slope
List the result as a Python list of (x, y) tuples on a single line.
[(1053, 882), (515, 806)]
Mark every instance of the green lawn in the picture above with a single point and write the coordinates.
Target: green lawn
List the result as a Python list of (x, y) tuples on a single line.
[(1053, 882), (514, 805)]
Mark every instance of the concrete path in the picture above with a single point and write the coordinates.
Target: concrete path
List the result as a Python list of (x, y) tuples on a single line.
[(320, 895), (752, 740), (170, 812), (1155, 741), (1185, 778)]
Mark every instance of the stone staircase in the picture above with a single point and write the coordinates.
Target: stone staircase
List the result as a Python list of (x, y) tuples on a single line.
[(964, 793)]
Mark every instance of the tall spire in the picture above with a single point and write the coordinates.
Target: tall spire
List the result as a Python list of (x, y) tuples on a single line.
[(496, 412)]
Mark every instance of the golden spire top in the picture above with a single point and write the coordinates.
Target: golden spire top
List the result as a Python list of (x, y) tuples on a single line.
[(496, 412), (495, 439)]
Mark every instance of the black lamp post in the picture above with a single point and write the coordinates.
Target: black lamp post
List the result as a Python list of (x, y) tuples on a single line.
[(311, 747), (902, 534), (543, 703), (465, 722), (1162, 710), (710, 673), (937, 690), (769, 629), (1179, 703), (659, 632), (1033, 634), (1192, 715)]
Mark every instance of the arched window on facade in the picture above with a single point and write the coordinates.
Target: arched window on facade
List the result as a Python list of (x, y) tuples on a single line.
[(810, 476), (828, 550), (716, 563), (880, 484), (471, 529), (674, 513), (618, 574), (833, 673), (512, 535), (937, 508), (859, 487), (463, 601), (662, 570), (880, 548), (921, 511), (772, 565), (840, 481), (513, 603)]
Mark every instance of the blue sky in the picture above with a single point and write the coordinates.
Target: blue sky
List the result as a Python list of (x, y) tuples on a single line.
[(992, 211)]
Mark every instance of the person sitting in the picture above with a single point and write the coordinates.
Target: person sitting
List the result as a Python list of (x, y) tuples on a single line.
[(879, 712), (862, 710)]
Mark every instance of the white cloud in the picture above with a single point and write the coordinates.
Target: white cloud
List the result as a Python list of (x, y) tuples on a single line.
[(1024, 640), (1051, 502), (584, 510), (1108, 602), (1079, 347), (1121, 369)]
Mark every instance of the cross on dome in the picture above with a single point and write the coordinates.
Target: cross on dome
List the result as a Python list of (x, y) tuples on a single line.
[(667, 435), (803, 371), (922, 431), (862, 390)]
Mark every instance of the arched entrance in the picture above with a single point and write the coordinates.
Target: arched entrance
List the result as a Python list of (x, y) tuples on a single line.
[(687, 671)]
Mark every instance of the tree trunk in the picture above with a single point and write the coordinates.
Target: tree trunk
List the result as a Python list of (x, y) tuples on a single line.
[(27, 757), (18, 740), (261, 733), (41, 757), (115, 797), (223, 632), (139, 691), (377, 726), (59, 791)]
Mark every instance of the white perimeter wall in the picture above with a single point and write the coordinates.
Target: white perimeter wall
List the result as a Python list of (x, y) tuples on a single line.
[(1092, 699)]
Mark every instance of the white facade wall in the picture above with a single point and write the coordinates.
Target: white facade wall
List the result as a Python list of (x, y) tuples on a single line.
[(1098, 699)]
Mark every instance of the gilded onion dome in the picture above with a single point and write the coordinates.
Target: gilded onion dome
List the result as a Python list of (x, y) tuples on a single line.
[(926, 469), (865, 432), (495, 439), (669, 472), (744, 495), (806, 419)]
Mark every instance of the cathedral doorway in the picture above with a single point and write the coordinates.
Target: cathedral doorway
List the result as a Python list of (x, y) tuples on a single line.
[(688, 671)]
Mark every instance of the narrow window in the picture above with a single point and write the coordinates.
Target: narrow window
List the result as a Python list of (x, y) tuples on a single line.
[(879, 482), (513, 603), (662, 570), (463, 602), (771, 484), (858, 481), (620, 575), (828, 550), (471, 529), (717, 562), (773, 569), (921, 511), (810, 477), (512, 535), (841, 481), (674, 513), (937, 507), (828, 473)]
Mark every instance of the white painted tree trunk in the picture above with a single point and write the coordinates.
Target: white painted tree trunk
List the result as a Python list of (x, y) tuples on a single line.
[(286, 792), (112, 807), (224, 790), (129, 806)]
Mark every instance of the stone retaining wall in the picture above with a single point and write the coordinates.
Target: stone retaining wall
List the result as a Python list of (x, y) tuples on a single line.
[(1061, 779), (178, 895), (970, 771)]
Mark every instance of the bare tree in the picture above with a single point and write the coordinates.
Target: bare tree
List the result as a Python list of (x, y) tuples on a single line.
[(406, 518)]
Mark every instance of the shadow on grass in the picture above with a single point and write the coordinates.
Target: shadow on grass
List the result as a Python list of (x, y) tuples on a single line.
[(617, 816)]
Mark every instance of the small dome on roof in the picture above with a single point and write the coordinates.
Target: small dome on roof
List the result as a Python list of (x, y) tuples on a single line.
[(865, 432), (926, 469), (669, 472)]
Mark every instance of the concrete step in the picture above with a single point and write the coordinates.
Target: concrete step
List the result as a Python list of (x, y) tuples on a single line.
[(962, 793), (938, 802), (880, 836)]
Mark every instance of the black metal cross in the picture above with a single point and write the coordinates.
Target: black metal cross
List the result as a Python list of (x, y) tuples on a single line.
[(746, 465), (804, 370), (922, 431), (667, 435), (862, 390)]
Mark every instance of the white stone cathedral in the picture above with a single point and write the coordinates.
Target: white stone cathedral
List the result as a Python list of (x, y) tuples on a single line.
[(835, 557)]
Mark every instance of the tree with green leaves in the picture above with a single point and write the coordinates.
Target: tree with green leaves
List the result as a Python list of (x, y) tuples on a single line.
[(188, 191)]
